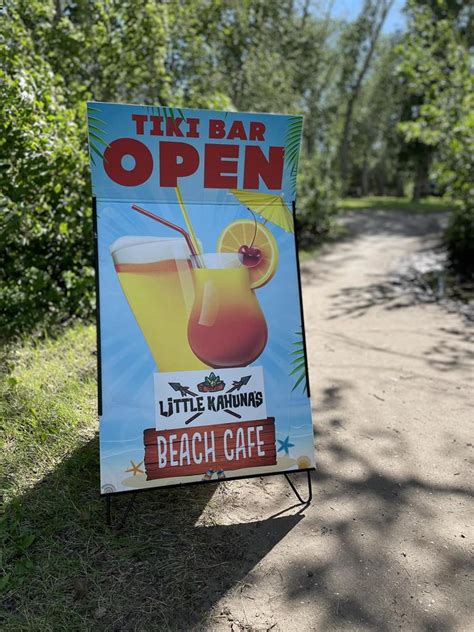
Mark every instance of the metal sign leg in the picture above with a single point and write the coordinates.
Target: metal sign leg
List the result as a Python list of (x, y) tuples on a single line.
[(128, 508), (297, 494), (108, 511)]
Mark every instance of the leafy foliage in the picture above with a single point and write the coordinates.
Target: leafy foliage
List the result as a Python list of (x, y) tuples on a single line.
[(460, 239), (57, 56), (46, 234), (258, 55), (376, 144), (436, 66), (316, 209)]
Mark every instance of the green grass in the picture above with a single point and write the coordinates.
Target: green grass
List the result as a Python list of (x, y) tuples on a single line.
[(62, 567), (308, 255), (48, 395), (48, 392), (391, 203)]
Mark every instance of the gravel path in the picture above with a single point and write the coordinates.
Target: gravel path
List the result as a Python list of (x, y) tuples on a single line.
[(386, 543)]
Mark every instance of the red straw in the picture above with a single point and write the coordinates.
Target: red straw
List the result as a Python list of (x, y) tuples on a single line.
[(169, 224)]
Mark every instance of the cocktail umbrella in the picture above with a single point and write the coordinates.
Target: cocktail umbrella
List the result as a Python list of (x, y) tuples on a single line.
[(269, 206)]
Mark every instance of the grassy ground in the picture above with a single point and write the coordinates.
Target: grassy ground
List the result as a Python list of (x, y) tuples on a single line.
[(391, 203), (307, 255), (62, 568), (49, 396)]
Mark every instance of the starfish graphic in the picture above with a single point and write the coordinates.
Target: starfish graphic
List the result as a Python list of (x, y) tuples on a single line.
[(135, 468), (285, 445)]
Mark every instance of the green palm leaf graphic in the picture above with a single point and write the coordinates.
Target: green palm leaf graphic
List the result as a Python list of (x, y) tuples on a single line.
[(298, 363), (292, 148), (166, 112), (94, 119), (97, 138), (96, 134)]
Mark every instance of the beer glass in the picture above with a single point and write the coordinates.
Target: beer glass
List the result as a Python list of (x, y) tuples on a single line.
[(157, 279)]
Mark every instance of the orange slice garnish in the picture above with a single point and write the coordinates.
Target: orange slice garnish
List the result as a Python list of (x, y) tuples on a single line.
[(242, 233)]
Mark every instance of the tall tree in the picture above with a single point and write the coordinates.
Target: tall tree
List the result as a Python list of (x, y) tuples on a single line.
[(359, 43), (375, 139), (437, 67)]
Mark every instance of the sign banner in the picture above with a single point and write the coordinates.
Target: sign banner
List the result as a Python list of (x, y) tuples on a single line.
[(202, 360)]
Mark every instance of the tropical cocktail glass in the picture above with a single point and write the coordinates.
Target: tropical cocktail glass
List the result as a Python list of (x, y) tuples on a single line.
[(157, 279), (227, 327)]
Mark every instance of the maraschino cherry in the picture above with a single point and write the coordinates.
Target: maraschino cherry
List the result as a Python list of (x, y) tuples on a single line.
[(250, 256)]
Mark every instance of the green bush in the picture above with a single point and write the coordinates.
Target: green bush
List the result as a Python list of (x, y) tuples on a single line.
[(436, 66), (317, 203), (460, 239), (46, 236)]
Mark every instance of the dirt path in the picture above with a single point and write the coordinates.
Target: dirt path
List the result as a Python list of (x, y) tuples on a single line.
[(386, 543)]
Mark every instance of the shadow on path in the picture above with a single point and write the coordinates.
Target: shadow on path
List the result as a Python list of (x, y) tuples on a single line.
[(420, 277), (390, 553), (164, 570), (393, 223)]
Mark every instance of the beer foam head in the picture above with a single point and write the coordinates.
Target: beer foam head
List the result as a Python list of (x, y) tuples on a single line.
[(134, 249)]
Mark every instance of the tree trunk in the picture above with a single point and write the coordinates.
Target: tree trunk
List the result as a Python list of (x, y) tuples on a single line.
[(420, 188), (416, 188), (344, 157), (344, 150), (382, 183), (365, 178), (58, 12), (399, 185)]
